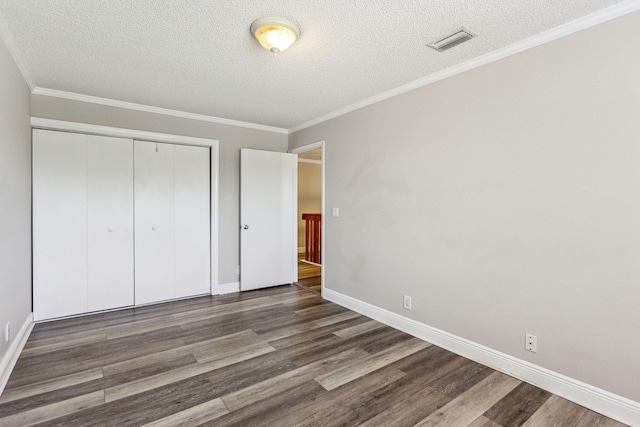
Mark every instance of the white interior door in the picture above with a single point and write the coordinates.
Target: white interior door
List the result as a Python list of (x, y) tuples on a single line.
[(110, 222), (154, 222), (268, 247), (59, 224)]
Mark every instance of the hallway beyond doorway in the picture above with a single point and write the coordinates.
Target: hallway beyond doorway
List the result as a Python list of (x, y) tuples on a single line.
[(309, 275)]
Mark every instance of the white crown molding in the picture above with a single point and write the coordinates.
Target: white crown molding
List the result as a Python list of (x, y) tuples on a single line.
[(41, 123), (599, 400), (10, 358), (15, 54), (157, 110), (596, 18)]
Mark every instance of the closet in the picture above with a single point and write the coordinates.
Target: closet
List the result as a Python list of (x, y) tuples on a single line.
[(117, 222)]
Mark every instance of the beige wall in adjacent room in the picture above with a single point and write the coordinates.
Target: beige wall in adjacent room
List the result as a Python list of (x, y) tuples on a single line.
[(232, 139), (505, 200), (15, 200), (309, 194)]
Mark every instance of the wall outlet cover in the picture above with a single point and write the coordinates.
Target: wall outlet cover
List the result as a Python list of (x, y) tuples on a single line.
[(531, 343)]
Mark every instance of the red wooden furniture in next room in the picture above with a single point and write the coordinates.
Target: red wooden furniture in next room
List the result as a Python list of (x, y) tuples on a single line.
[(313, 224)]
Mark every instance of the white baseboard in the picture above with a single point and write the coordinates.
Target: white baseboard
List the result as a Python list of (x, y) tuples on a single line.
[(617, 407), (11, 356), (227, 288)]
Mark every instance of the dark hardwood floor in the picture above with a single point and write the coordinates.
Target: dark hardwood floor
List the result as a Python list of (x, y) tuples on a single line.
[(275, 357), (309, 275)]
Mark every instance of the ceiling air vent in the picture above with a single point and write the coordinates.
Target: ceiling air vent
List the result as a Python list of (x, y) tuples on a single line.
[(452, 40)]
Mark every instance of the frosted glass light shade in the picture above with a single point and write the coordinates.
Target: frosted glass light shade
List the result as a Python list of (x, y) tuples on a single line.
[(275, 34)]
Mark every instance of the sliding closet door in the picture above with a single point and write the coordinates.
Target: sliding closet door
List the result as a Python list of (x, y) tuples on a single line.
[(154, 222), (192, 220), (172, 232), (59, 224), (110, 227), (89, 195)]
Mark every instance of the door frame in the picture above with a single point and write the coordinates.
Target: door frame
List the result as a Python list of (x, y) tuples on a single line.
[(303, 149)]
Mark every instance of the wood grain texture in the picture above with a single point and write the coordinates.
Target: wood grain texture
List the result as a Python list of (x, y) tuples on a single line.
[(409, 402), (486, 422), (48, 412), (557, 411), (369, 326), (517, 406), (295, 377), (275, 357), (53, 384), (357, 368), (472, 403), (193, 416)]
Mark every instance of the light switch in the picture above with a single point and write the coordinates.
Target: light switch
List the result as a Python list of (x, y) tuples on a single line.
[(335, 212)]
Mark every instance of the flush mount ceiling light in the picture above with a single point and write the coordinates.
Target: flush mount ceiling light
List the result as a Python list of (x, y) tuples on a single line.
[(460, 36), (275, 34)]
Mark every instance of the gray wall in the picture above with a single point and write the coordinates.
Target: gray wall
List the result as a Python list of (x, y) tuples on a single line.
[(504, 200), (15, 198), (231, 139)]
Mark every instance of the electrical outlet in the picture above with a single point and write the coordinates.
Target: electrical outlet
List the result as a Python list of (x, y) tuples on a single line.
[(7, 332), (407, 302), (531, 343)]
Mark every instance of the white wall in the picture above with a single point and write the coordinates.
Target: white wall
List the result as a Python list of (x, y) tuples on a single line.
[(231, 139), (504, 200), (15, 200), (309, 194)]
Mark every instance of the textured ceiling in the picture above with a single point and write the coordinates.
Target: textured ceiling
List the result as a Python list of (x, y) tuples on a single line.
[(198, 56)]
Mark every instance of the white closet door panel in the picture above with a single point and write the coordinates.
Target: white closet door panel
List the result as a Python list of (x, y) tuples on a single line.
[(154, 222), (59, 224), (110, 227), (192, 220)]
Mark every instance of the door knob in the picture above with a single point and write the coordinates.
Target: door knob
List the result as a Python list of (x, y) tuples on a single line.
[(246, 227), (153, 228), (110, 230)]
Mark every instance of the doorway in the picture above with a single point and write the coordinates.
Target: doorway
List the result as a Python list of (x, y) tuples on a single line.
[(310, 195)]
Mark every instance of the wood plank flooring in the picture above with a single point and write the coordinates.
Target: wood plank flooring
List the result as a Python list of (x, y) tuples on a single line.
[(275, 357), (309, 275)]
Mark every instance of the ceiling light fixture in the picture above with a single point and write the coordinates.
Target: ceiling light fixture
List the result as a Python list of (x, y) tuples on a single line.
[(275, 34)]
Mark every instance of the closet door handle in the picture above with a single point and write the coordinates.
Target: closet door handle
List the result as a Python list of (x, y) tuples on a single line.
[(246, 227), (110, 230), (153, 228)]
